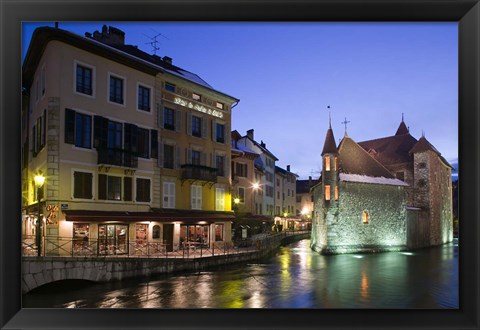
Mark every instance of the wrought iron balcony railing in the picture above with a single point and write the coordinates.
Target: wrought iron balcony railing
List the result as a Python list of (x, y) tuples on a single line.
[(118, 157), (199, 172)]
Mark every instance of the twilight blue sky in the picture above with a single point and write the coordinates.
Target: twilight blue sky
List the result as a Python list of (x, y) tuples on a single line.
[(286, 74)]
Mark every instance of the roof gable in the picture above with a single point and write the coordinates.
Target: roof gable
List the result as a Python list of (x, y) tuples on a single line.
[(353, 159)]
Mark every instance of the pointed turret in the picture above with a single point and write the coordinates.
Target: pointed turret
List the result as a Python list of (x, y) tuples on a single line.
[(402, 129), (329, 147)]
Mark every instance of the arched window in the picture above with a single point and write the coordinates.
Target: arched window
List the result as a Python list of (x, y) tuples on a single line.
[(327, 192), (365, 217), (156, 232)]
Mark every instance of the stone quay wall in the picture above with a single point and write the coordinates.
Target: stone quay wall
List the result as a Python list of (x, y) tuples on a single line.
[(39, 271)]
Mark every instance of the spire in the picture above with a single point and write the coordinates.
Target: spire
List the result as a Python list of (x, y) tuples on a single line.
[(329, 147), (402, 129)]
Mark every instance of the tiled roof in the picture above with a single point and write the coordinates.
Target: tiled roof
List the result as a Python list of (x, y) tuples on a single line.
[(353, 159), (423, 145), (329, 147), (402, 129), (390, 150), (303, 186)]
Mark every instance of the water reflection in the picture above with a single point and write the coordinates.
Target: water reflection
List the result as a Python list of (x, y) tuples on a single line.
[(295, 278)]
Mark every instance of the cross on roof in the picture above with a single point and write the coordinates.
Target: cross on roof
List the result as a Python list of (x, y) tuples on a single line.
[(345, 123)]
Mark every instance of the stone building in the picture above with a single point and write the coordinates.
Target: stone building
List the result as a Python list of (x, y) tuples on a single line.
[(133, 149), (387, 194)]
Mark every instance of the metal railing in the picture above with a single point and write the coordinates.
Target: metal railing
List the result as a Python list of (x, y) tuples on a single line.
[(199, 172), (70, 247)]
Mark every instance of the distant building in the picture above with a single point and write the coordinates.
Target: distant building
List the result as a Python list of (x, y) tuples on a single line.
[(244, 183), (285, 191), (265, 172), (133, 148), (392, 193), (304, 197)]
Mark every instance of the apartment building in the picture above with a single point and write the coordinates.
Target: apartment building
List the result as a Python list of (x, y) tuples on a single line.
[(265, 174), (132, 149), (285, 192), (245, 184), (304, 197)]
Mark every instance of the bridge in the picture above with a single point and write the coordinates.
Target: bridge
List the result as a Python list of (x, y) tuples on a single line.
[(38, 271)]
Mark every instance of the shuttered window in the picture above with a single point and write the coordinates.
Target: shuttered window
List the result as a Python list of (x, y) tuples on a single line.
[(143, 190), (82, 185)]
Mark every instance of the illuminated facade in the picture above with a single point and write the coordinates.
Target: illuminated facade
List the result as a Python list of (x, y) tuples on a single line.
[(265, 174), (304, 198), (133, 148), (245, 185), (387, 194)]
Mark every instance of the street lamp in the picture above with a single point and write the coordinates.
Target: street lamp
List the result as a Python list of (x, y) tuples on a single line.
[(39, 181), (255, 187)]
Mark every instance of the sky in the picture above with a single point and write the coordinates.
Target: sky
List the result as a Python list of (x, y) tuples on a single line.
[(287, 74)]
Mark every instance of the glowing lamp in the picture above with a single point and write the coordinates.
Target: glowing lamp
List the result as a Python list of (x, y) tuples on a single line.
[(256, 186), (236, 200), (39, 180)]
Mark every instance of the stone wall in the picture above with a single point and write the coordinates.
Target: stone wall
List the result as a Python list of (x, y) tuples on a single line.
[(386, 228), (434, 194)]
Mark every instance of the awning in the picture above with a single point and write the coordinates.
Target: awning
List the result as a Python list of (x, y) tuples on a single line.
[(186, 217)]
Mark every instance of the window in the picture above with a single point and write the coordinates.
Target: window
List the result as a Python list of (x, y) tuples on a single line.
[(196, 126), (83, 131), (143, 190), (288, 193), (109, 187), (269, 192), (196, 97), (84, 80), (219, 105), (336, 163), (169, 119), (241, 170), (43, 80), (241, 194), (365, 217), (220, 165), (127, 188), (116, 90), (170, 87), (278, 182), (156, 232), (82, 185), (169, 195), (278, 194), (168, 156), (220, 199), (143, 98), (327, 192), (196, 157), (336, 193), (196, 197), (143, 142), (327, 163), (218, 233), (220, 133)]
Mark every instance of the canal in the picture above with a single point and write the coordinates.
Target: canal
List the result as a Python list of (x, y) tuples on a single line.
[(296, 277)]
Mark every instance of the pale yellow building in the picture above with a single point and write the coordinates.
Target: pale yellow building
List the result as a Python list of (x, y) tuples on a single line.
[(133, 149)]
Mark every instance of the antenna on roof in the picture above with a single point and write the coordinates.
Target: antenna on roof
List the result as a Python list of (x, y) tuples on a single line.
[(402, 116), (154, 41)]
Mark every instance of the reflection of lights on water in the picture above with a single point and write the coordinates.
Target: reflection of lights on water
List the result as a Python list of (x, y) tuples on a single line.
[(364, 285), (408, 253), (357, 256)]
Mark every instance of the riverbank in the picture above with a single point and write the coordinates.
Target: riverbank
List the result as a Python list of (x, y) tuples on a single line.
[(40, 271)]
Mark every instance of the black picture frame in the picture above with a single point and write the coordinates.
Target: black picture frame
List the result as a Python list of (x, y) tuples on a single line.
[(465, 12)]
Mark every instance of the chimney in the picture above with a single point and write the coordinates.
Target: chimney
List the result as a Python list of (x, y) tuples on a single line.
[(250, 133), (110, 36), (309, 181), (288, 168), (263, 144), (167, 59)]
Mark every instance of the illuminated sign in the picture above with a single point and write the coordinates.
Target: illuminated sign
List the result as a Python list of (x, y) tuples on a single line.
[(52, 213), (198, 107)]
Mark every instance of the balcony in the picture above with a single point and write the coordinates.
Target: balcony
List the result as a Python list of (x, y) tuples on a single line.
[(118, 157), (199, 172)]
